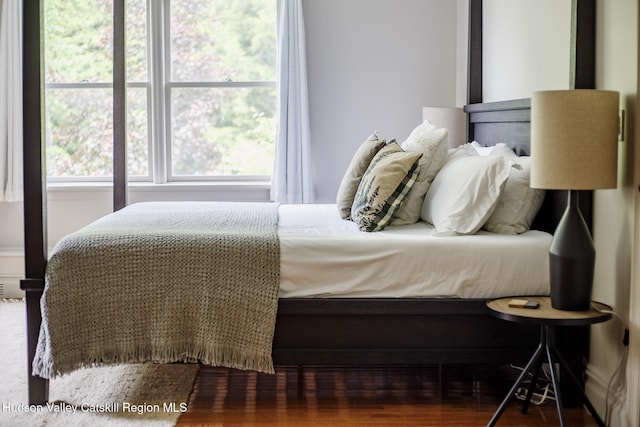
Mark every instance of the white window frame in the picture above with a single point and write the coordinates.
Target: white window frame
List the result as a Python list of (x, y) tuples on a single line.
[(159, 46), (150, 148), (159, 90)]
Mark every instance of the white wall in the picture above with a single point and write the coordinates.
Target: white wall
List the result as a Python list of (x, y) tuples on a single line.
[(462, 52), (373, 65), (526, 47), (11, 249), (617, 69)]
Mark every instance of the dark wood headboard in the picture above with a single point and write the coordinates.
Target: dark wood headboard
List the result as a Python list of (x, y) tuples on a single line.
[(506, 121), (509, 122)]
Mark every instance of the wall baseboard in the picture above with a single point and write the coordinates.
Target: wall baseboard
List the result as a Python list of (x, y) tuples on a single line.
[(10, 287), (11, 272), (596, 390)]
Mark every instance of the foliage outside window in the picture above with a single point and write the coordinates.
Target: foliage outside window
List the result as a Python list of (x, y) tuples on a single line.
[(206, 111)]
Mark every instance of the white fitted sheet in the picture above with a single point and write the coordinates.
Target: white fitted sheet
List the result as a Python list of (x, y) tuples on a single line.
[(322, 255)]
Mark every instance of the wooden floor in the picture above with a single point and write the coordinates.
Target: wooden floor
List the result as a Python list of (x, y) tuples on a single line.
[(427, 396)]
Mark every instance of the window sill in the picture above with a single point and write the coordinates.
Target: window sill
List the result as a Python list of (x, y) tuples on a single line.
[(145, 191), (133, 185)]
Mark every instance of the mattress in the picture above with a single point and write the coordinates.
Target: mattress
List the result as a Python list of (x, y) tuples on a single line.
[(324, 256)]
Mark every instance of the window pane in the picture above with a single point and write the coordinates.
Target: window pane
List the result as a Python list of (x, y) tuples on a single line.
[(222, 131), (80, 132), (78, 40), (136, 43), (216, 40)]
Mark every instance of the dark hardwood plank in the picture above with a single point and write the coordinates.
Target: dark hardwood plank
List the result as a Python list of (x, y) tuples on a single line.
[(457, 395)]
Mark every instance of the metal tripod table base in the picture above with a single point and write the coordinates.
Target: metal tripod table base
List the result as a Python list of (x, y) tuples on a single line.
[(546, 351)]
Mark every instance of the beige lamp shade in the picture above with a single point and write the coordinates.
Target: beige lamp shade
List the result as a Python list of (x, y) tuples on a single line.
[(574, 139), (451, 118)]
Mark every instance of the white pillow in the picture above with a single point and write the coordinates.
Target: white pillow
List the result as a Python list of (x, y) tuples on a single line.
[(463, 150), (433, 143), (481, 149), (519, 203), (465, 193)]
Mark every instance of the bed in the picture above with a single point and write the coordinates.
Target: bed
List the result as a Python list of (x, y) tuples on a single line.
[(315, 328)]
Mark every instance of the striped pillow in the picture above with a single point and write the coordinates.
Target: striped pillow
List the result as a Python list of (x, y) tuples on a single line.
[(384, 187)]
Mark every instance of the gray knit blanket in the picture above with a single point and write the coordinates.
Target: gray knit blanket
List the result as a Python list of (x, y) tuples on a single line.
[(164, 282)]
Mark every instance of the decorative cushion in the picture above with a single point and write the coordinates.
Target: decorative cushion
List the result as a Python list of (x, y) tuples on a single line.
[(464, 193), (353, 175), (519, 203), (384, 186), (433, 143)]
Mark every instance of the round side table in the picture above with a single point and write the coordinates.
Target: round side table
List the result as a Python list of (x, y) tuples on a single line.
[(547, 317)]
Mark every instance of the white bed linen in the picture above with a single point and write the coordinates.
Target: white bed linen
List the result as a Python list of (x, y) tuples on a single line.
[(322, 255)]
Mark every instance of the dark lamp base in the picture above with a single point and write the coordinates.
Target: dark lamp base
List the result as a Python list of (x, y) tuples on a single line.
[(571, 283), (571, 260)]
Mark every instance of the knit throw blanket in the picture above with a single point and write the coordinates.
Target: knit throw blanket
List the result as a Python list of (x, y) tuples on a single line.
[(164, 282)]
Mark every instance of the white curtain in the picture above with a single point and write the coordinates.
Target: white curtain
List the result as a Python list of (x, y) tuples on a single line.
[(11, 183), (291, 181)]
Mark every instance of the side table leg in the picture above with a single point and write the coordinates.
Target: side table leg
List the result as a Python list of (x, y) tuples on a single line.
[(554, 381), (534, 381), (506, 400), (536, 372)]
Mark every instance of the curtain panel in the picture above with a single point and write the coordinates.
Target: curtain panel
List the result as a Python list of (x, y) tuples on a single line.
[(291, 180), (11, 181)]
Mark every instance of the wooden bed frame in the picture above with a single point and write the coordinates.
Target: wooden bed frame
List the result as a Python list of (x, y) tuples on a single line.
[(334, 331)]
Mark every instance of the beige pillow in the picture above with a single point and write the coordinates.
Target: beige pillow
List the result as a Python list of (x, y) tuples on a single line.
[(519, 203), (433, 143), (353, 175), (384, 186)]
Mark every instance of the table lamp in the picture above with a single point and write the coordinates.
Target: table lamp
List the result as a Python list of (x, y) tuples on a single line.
[(574, 146)]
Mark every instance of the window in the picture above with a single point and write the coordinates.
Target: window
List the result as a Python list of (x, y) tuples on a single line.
[(201, 95)]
